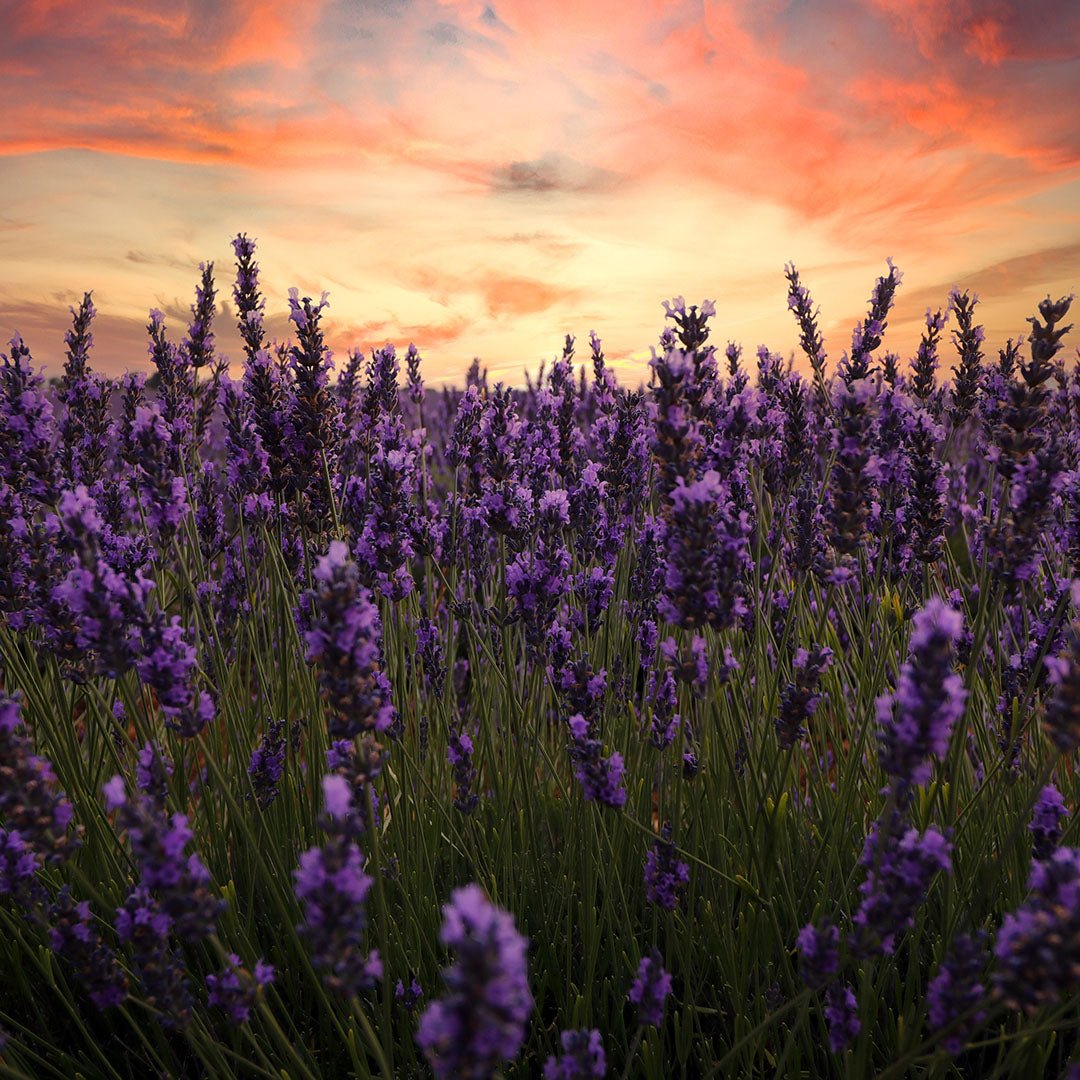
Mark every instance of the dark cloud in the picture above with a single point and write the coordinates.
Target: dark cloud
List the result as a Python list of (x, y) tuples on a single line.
[(553, 173), (444, 34), (490, 17), (1056, 269)]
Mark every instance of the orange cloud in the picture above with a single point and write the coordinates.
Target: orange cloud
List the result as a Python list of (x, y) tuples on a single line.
[(521, 296)]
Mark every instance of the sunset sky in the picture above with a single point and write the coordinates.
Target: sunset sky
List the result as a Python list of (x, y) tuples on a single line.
[(483, 178)]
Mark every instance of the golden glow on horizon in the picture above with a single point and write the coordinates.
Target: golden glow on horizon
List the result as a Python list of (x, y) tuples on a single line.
[(483, 179)]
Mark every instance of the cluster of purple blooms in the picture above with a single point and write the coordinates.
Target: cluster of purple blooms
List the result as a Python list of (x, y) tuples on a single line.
[(235, 989), (582, 1057), (665, 873), (916, 721), (332, 886), (650, 990), (344, 637), (480, 1021)]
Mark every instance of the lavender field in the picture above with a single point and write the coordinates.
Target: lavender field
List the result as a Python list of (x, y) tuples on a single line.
[(721, 727)]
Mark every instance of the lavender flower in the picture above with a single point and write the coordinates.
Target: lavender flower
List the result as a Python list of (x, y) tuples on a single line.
[(677, 440), (35, 814), (650, 989), (27, 464), (429, 652), (344, 636), (1061, 720), (152, 772), (249, 303), (899, 871), (167, 663), (662, 695), (180, 882), (267, 763), (625, 448), (265, 394), (867, 336), (155, 448), (84, 426), (924, 366), (957, 988), (480, 1023), (853, 480), (924, 510), (601, 778), (147, 930), (18, 865), (176, 395), (1038, 946), (665, 873), (75, 938), (810, 337), (459, 752), (842, 1016), (582, 1057), (1046, 336), (410, 996), (312, 433), (916, 721), (1046, 822), (968, 339), (819, 954), (235, 989), (379, 503), (706, 554), (536, 579), (800, 698), (692, 326), (332, 886)]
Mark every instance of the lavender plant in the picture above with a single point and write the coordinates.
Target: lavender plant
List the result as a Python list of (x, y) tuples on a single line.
[(723, 726)]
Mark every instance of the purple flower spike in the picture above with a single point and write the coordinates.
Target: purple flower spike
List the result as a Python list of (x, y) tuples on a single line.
[(235, 989), (267, 764), (916, 721), (35, 814), (601, 778), (332, 886), (344, 637), (151, 773), (1038, 946), (819, 954), (481, 1022), (179, 881), (74, 936), (899, 872), (842, 1015), (956, 988), (665, 873), (706, 555), (582, 1058), (801, 697), (1061, 720), (650, 990), (142, 925), (1047, 819)]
